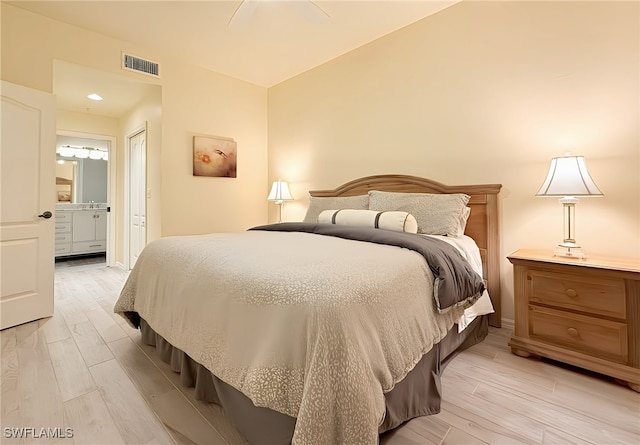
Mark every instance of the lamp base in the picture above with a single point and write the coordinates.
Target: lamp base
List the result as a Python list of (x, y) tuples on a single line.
[(569, 252)]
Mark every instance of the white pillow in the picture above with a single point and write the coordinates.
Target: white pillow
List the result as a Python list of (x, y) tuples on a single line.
[(396, 221), (317, 205), (437, 214)]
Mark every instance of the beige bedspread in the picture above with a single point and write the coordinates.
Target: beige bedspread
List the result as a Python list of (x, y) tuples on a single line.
[(315, 327)]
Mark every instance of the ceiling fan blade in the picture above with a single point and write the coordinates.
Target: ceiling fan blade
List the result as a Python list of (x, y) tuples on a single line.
[(243, 13), (309, 10)]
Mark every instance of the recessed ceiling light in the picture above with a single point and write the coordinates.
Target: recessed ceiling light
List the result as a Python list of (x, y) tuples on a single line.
[(94, 96)]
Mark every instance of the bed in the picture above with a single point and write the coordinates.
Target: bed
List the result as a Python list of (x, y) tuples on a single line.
[(313, 333)]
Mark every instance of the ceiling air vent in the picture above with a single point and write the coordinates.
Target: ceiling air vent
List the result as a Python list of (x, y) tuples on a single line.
[(139, 65)]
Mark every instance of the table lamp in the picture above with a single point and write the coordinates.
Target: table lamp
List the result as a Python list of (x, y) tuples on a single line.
[(279, 194), (568, 178)]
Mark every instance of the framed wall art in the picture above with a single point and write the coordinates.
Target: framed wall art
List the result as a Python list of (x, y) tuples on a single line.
[(214, 156)]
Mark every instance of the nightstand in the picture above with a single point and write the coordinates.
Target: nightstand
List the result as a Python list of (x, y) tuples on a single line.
[(582, 312)]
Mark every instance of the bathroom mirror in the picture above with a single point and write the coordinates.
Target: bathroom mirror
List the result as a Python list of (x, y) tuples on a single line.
[(65, 175), (81, 180), (81, 171)]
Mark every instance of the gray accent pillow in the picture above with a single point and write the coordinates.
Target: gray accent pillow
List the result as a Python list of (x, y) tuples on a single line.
[(317, 205), (436, 214)]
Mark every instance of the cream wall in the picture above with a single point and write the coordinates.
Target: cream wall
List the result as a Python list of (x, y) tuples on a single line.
[(193, 100), (481, 92), (206, 103), (87, 123)]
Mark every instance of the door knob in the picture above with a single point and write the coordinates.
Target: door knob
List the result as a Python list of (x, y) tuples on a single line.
[(46, 215)]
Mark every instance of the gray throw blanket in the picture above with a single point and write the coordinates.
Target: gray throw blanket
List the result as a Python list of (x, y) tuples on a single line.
[(456, 283)]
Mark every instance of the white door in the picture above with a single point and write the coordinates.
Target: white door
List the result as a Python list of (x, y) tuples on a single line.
[(27, 200), (137, 196)]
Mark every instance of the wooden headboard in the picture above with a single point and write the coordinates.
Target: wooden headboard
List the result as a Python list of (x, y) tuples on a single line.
[(482, 224)]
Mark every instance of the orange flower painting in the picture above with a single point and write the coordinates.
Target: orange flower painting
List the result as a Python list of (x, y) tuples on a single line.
[(213, 156)]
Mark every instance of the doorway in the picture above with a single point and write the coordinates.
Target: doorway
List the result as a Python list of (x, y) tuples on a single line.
[(86, 191), (129, 104)]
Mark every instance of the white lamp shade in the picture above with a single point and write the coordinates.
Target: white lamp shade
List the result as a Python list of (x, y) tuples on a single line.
[(280, 192), (568, 176)]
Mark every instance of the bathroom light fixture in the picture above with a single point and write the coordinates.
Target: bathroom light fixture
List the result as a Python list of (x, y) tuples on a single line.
[(94, 96), (279, 194), (569, 178), (82, 153), (95, 154), (67, 151)]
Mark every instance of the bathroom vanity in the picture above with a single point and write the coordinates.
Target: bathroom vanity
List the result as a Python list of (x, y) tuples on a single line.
[(81, 229)]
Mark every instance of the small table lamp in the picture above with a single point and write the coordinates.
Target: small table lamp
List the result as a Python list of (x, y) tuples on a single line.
[(279, 194), (569, 178)]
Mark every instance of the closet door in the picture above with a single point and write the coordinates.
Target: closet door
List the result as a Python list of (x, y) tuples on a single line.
[(137, 196)]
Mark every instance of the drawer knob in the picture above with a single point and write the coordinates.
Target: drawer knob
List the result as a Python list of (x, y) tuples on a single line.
[(573, 332), (571, 293)]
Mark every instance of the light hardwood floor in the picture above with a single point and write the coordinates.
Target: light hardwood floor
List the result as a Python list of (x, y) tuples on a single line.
[(86, 369)]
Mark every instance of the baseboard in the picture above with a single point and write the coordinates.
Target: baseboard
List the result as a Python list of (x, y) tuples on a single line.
[(508, 323), (120, 265)]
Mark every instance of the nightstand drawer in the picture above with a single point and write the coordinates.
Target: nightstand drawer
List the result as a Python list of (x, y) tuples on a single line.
[(597, 337), (587, 293)]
